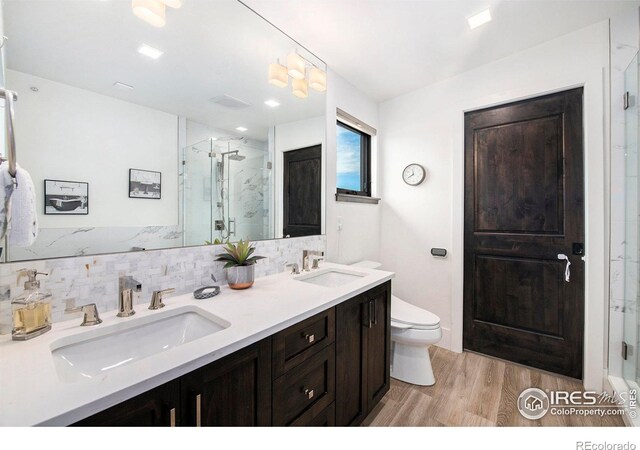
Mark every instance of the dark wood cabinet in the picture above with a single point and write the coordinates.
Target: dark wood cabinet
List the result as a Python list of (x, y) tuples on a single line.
[(159, 407), (234, 391), (330, 369), (363, 346)]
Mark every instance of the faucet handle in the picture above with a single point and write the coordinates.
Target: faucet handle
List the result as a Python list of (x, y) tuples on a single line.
[(91, 316), (156, 298), (295, 269), (316, 259)]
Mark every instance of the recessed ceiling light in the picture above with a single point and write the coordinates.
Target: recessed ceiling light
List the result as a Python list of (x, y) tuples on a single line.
[(124, 87), (241, 128), (272, 103), (479, 19), (149, 51)]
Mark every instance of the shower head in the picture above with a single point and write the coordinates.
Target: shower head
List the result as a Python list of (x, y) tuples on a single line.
[(236, 157)]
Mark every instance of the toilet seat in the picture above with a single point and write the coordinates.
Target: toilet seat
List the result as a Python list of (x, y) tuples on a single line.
[(405, 315)]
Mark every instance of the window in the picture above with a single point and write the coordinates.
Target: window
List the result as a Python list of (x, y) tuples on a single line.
[(354, 161)]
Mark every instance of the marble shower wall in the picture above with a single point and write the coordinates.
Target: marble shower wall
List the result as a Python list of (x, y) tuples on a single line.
[(94, 279)]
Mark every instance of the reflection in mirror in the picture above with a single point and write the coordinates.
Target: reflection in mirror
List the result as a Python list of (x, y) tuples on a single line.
[(175, 134)]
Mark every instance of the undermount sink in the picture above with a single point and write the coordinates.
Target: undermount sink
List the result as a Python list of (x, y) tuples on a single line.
[(100, 350), (331, 277)]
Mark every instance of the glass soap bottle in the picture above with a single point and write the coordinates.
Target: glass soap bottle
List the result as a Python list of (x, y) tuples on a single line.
[(31, 311)]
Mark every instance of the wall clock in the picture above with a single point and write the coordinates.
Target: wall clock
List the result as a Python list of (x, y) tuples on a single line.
[(414, 174)]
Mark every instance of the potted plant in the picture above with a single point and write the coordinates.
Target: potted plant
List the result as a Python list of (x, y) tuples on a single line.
[(240, 265)]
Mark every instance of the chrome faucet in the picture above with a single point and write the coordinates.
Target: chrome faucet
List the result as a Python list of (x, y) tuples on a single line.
[(91, 316), (126, 287), (156, 298), (308, 256)]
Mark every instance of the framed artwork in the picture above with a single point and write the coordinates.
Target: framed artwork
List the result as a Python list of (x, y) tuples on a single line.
[(145, 184), (66, 197)]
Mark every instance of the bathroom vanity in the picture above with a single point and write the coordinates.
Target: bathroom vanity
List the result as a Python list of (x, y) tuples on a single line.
[(289, 352)]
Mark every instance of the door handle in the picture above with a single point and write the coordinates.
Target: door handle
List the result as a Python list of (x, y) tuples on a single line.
[(567, 270)]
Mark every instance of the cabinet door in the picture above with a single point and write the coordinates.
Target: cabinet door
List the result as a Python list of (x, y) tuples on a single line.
[(378, 344), (351, 376), (155, 408), (235, 391)]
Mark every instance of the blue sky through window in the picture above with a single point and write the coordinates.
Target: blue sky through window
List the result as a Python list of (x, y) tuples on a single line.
[(348, 159)]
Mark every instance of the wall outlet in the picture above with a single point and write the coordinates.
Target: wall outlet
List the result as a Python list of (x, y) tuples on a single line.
[(339, 223)]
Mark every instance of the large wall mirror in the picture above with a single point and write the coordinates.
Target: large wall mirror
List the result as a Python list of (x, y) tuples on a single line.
[(144, 137)]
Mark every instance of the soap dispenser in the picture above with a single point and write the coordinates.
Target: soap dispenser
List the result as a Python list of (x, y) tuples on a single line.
[(31, 311)]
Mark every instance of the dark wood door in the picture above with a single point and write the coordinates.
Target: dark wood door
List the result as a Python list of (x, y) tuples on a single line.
[(158, 407), (351, 373), (235, 391), (523, 207), (302, 203), (378, 344)]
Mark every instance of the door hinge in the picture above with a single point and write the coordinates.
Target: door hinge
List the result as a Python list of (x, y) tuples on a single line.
[(625, 100), (627, 350)]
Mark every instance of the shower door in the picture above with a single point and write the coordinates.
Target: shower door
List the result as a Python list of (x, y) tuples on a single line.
[(199, 193), (630, 346)]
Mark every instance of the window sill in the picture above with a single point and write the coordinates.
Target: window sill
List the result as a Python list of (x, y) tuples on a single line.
[(356, 199)]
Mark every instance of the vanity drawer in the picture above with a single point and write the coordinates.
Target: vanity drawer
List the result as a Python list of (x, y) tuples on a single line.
[(302, 340), (325, 418), (307, 388)]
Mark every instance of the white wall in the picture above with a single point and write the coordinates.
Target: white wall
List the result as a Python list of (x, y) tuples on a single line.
[(360, 235), (293, 136), (66, 133), (426, 126)]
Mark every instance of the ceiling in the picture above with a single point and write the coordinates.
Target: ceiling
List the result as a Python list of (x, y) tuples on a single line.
[(210, 49), (390, 47)]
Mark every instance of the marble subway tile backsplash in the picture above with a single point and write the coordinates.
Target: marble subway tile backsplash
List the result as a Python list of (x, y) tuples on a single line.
[(94, 279)]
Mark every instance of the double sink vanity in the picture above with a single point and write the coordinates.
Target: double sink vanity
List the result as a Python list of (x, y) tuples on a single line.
[(309, 349)]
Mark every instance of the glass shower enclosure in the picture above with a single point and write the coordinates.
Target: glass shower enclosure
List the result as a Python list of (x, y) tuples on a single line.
[(226, 188), (631, 343)]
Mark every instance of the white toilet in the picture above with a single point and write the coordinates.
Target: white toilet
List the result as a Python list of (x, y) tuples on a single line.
[(413, 330)]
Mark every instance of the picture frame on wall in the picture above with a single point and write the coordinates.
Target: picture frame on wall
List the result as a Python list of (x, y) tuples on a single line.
[(145, 184), (66, 197)]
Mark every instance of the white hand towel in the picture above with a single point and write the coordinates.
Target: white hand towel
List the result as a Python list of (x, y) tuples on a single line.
[(6, 190), (24, 218)]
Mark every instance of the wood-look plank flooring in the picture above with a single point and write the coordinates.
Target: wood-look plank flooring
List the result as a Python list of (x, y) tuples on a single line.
[(474, 390)]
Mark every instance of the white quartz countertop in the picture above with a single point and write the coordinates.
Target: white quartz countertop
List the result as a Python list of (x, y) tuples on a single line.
[(32, 393)]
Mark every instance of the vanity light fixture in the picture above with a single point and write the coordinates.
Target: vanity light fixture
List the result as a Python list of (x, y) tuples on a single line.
[(272, 103), (296, 66), (302, 78), (479, 19), (154, 12), (149, 51), (300, 88), (318, 79), (242, 129), (278, 75)]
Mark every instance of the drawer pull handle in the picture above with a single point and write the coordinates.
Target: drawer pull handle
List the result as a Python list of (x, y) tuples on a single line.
[(198, 410), (311, 338), (172, 417), (308, 393)]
